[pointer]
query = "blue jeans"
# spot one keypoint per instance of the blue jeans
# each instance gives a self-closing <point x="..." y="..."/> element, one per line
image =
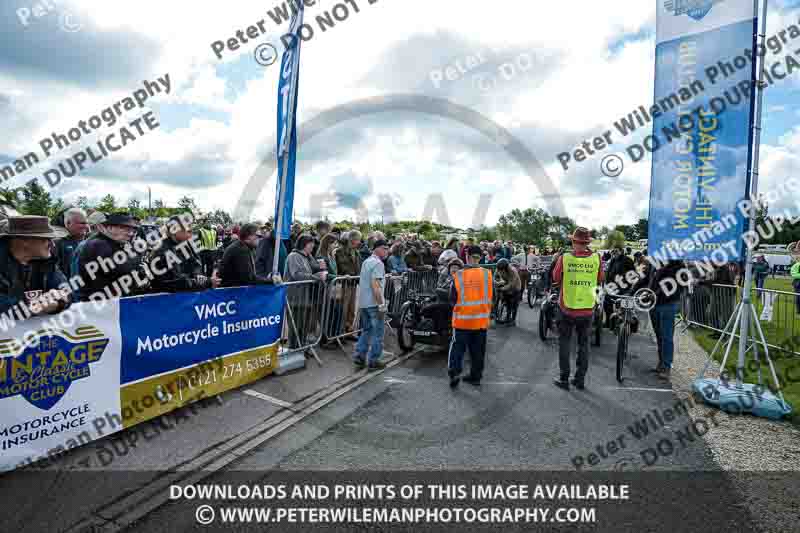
<point x="664" y="325"/>
<point x="371" y="337"/>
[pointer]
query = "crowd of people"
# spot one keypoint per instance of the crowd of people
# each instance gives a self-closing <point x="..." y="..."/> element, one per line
<point x="44" y="269"/>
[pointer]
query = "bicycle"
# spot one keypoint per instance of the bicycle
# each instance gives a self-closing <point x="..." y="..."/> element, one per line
<point x="626" y="322"/>
<point x="548" y="315"/>
<point x="536" y="290"/>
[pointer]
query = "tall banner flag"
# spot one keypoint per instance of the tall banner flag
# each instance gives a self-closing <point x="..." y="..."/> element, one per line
<point x="287" y="119"/>
<point x="702" y="115"/>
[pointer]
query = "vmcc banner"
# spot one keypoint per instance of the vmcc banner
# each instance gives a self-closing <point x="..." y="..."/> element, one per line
<point x="288" y="83"/>
<point x="126" y="361"/>
<point x="699" y="178"/>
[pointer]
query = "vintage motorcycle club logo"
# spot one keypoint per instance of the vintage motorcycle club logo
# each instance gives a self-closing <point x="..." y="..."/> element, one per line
<point x="697" y="9"/>
<point x="42" y="372"/>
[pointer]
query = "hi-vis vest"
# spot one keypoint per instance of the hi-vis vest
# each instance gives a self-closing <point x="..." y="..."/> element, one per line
<point x="208" y="238"/>
<point x="580" y="280"/>
<point x="474" y="288"/>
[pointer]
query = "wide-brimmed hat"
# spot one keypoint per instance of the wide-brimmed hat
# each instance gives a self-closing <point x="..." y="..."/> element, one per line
<point x="27" y="226"/>
<point x="581" y="235"/>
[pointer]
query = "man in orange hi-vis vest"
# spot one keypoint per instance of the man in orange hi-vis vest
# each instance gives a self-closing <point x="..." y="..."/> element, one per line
<point x="471" y="296"/>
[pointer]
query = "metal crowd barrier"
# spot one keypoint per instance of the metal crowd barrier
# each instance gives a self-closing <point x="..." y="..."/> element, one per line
<point x="710" y="307"/>
<point x="303" y="311"/>
<point x="340" y="312"/>
<point x="398" y="288"/>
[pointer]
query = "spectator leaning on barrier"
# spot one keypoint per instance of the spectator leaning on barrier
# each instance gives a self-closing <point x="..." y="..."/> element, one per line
<point x="305" y="298"/>
<point x="238" y="267"/>
<point x="578" y="273"/>
<point x="78" y="228"/>
<point x="29" y="274"/>
<point x="396" y="263"/>
<point x="327" y="252"/>
<point x="179" y="269"/>
<point x="96" y="265"/>
<point x="372" y="309"/>
<point x="348" y="263"/>
<point x="663" y="315"/>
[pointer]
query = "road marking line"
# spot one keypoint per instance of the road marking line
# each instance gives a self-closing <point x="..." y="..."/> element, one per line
<point x="505" y="383"/>
<point x="640" y="389"/>
<point x="267" y="398"/>
<point x="141" y="503"/>
<point x="395" y="380"/>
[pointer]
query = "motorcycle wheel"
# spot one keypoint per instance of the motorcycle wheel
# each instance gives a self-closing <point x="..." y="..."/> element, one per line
<point x="531" y="297"/>
<point x="405" y="338"/>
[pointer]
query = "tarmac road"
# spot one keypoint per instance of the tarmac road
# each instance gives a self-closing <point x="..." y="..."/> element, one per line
<point x="516" y="423"/>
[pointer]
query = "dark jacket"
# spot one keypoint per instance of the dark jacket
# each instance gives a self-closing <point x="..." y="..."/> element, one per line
<point x="102" y="246"/>
<point x="181" y="276"/>
<point x="65" y="247"/>
<point x="15" y="279"/>
<point x="348" y="261"/>
<point x="265" y="254"/>
<point x="670" y="270"/>
<point x="239" y="267"/>
<point x="620" y="266"/>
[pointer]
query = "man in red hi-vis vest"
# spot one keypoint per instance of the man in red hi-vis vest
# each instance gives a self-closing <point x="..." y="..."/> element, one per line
<point x="471" y="296"/>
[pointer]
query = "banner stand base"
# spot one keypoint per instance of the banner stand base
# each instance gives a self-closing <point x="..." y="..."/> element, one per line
<point x="289" y="362"/>
<point x="739" y="397"/>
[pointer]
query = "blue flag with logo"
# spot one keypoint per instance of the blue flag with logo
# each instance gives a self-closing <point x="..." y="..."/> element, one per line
<point x="702" y="136"/>
<point x="288" y="82"/>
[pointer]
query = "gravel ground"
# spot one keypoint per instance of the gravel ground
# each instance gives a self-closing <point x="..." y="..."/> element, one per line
<point x="762" y="456"/>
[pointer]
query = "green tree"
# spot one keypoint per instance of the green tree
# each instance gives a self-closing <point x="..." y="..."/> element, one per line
<point x="615" y="239"/>
<point x="108" y="204"/>
<point x="219" y="216"/>
<point x="82" y="202"/>
<point x="629" y="232"/>
<point x="35" y="200"/>
<point x="135" y="208"/>
<point x="641" y="228"/>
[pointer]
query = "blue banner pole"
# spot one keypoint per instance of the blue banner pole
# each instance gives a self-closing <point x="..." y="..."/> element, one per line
<point x="755" y="135"/>
<point x="285" y="150"/>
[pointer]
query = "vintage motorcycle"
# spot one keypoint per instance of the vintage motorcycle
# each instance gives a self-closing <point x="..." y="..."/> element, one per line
<point x="415" y="325"/>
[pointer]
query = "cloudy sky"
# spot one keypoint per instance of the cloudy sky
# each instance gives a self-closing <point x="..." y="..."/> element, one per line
<point x="385" y="130"/>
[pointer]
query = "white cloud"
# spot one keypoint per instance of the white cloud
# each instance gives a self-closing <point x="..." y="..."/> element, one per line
<point x="577" y="92"/>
